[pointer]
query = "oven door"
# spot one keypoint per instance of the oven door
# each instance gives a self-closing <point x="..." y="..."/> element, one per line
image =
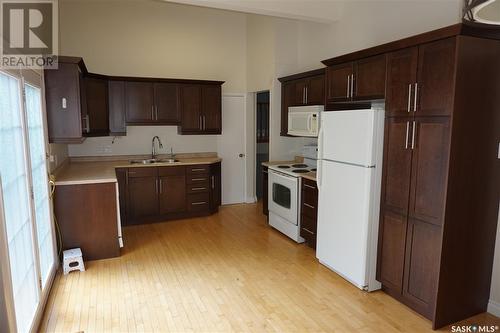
<point x="283" y="196"/>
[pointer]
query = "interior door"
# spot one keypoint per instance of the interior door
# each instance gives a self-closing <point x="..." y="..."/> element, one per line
<point x="231" y="148"/>
<point x="167" y="110"/>
<point x="191" y="108"/>
<point x="139" y="102"/>
<point x="436" y="83"/>
<point x="338" y="82"/>
<point x="401" y="77"/>
<point x="211" y="108"/>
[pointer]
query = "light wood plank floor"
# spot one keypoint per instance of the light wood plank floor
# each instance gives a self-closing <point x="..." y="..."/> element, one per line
<point x="226" y="272"/>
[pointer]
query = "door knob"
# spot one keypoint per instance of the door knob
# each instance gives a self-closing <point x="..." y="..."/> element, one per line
<point x="241" y="155"/>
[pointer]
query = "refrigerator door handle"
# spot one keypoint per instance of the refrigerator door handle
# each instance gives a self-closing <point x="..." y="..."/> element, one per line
<point x="320" y="157"/>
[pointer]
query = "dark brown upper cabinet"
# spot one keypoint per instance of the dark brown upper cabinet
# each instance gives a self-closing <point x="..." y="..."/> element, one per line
<point x="306" y="88"/>
<point x="139" y="106"/>
<point x="67" y="117"/>
<point x="166" y="97"/>
<point x="96" y="99"/>
<point x="361" y="80"/>
<point x="116" y="96"/>
<point x="420" y="80"/>
<point x="201" y="109"/>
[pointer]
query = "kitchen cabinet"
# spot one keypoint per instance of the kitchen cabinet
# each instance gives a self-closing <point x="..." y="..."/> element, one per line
<point x="215" y="187"/>
<point x="172" y="189"/>
<point x="301" y="89"/>
<point x="361" y="80"/>
<point x="117" y="119"/>
<point x="155" y="194"/>
<point x="265" y="189"/>
<point x="139" y="104"/>
<point x="309" y="211"/>
<point x="167" y="110"/>
<point x="201" y="109"/>
<point x="67" y="117"/>
<point x="96" y="99"/>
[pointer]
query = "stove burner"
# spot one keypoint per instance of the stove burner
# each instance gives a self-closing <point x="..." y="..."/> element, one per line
<point x="284" y="166"/>
<point x="313" y="169"/>
<point x="300" y="171"/>
<point x="299" y="166"/>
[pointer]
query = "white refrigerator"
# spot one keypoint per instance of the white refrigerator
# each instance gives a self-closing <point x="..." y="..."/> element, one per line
<point x="349" y="179"/>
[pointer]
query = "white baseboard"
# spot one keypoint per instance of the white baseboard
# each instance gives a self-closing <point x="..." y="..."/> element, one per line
<point x="494" y="308"/>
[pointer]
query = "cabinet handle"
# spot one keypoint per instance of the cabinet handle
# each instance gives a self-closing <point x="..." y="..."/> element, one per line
<point x="308" y="205"/>
<point x="415" y="100"/>
<point x="152" y="112"/>
<point x="87" y="124"/>
<point x="156" y="186"/>
<point x="348" y="84"/>
<point x="213" y="182"/>
<point x="309" y="186"/>
<point x="307" y="97"/>
<point x="352" y="85"/>
<point x="204" y="123"/>
<point x="199" y="169"/>
<point x="198" y="188"/>
<point x="309" y="231"/>
<point x="156" y="112"/>
<point x="198" y="179"/>
<point x="161" y="186"/>
<point x="407" y="134"/>
<point x="409" y="98"/>
<point x="413" y="136"/>
<point x="198" y="203"/>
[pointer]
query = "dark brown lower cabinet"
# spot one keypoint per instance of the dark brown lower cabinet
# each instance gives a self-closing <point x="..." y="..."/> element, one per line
<point x="309" y="211"/>
<point x="87" y="216"/>
<point x="155" y="194"/>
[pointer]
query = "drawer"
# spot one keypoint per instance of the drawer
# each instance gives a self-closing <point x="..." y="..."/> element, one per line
<point x="202" y="169"/>
<point x="198" y="202"/>
<point x="309" y="185"/>
<point x="172" y="171"/>
<point x="309" y="223"/>
<point x="310" y="197"/>
<point x="309" y="210"/>
<point x="197" y="179"/>
<point x="142" y="172"/>
<point x="198" y="187"/>
<point x="309" y="237"/>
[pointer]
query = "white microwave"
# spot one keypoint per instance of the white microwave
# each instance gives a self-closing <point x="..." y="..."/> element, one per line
<point x="304" y="120"/>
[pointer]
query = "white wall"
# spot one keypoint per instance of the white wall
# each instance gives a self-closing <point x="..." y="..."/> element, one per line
<point x="155" y="39"/>
<point x="494" y="305"/>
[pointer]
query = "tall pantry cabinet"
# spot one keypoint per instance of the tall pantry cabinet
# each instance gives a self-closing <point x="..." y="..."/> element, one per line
<point x="440" y="185"/>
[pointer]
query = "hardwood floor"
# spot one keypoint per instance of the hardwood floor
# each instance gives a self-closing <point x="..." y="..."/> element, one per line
<point x="226" y="272"/>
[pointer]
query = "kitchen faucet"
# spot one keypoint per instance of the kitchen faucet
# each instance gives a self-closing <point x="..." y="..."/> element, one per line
<point x="153" y="148"/>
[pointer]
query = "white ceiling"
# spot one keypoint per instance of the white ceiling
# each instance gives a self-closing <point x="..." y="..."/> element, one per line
<point x="324" y="11"/>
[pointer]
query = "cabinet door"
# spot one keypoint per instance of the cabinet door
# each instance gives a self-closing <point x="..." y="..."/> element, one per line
<point x="116" y="95"/>
<point x="172" y="194"/>
<point x="436" y="78"/>
<point x="431" y="143"/>
<point x="287" y="100"/>
<point x="215" y="186"/>
<point x="190" y="108"/>
<point x="369" y="82"/>
<point x="139" y="102"/>
<point x="96" y="94"/>
<point x="391" y="250"/>
<point x="397" y="165"/>
<point x="211" y="109"/>
<point x="167" y="110"/>
<point x="401" y="77"/>
<point x="62" y="95"/>
<point x="338" y="82"/>
<point x="316" y="90"/>
<point x="423" y="249"/>
<point x="142" y="198"/>
<point x="300" y="92"/>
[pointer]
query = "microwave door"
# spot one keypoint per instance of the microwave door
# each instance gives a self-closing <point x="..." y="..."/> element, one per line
<point x="301" y="124"/>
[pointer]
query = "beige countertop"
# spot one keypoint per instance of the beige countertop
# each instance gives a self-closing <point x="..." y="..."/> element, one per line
<point x="102" y="170"/>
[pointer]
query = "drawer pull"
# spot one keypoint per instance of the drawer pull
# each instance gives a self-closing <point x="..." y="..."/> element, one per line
<point x="198" y="203"/>
<point x="307" y="230"/>
<point x="198" y="188"/>
<point x="198" y="169"/>
<point x="308" y="205"/>
<point x="309" y="186"/>
<point x="198" y="179"/>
